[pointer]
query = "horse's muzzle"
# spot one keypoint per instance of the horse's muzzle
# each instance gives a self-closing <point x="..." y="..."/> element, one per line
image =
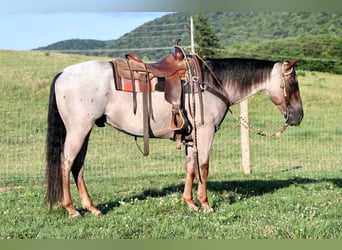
<point x="294" y="116"/>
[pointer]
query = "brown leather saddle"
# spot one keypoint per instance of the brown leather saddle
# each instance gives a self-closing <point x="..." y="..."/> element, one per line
<point x="171" y="67"/>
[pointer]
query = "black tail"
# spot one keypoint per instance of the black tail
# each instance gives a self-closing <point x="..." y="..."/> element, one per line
<point x="55" y="139"/>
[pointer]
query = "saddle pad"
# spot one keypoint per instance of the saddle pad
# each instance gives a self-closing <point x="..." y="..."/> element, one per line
<point x="157" y="84"/>
<point x="126" y="84"/>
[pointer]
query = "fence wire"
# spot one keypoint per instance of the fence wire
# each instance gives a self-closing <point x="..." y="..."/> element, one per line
<point x="315" y="145"/>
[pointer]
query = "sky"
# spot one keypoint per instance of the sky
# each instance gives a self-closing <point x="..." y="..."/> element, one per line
<point x="29" y="24"/>
<point x="28" y="30"/>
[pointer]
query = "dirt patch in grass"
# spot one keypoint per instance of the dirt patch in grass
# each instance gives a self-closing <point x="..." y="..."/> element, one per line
<point x="2" y="189"/>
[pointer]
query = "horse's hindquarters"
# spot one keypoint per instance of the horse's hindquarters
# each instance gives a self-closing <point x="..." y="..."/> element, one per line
<point x="82" y="93"/>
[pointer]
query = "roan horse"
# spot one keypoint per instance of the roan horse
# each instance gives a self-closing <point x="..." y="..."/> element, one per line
<point x="84" y="94"/>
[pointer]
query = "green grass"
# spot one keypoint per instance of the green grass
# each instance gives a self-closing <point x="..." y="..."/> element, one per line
<point x="294" y="190"/>
<point x="291" y="206"/>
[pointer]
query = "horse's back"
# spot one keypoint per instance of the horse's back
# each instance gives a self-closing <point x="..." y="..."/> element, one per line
<point x="90" y="69"/>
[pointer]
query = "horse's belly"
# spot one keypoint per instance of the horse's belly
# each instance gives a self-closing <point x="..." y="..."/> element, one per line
<point x="120" y="115"/>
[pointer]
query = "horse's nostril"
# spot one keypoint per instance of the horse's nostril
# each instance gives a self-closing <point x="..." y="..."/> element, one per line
<point x="287" y="114"/>
<point x="300" y="118"/>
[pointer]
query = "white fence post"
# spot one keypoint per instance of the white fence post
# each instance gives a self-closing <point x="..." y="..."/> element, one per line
<point x="192" y="35"/>
<point x="245" y="151"/>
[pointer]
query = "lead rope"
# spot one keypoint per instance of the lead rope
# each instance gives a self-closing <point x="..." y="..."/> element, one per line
<point x="258" y="131"/>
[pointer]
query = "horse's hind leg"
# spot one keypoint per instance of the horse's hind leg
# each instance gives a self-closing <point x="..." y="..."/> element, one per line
<point x="77" y="171"/>
<point x="69" y="154"/>
<point x="73" y="153"/>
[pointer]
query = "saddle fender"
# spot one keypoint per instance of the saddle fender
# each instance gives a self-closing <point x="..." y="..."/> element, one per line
<point x="173" y="89"/>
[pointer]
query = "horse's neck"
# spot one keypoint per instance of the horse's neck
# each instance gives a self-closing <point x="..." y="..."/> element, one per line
<point x="235" y="95"/>
<point x="269" y="85"/>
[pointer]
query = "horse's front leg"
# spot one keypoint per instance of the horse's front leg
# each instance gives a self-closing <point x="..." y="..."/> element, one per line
<point x="194" y="170"/>
<point x="205" y="137"/>
<point x="190" y="175"/>
<point x="202" y="185"/>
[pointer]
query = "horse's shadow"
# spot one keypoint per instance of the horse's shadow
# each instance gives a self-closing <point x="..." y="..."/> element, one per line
<point x="244" y="188"/>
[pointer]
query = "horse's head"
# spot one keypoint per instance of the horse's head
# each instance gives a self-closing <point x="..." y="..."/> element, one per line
<point x="284" y="92"/>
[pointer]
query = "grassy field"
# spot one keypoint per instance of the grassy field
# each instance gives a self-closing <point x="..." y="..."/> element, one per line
<point x="253" y="207"/>
<point x="293" y="192"/>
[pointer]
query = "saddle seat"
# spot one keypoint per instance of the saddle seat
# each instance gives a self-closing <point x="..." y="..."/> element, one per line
<point x="165" y="67"/>
<point x="169" y="65"/>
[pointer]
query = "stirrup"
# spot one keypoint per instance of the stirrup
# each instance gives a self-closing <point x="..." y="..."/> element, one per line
<point x="178" y="120"/>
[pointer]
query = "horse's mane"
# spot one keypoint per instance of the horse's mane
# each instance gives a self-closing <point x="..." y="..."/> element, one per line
<point x="242" y="73"/>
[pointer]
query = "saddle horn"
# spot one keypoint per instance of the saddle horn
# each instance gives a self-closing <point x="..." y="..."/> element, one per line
<point x="177" y="52"/>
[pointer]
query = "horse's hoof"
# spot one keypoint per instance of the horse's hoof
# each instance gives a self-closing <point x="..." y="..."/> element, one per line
<point x="96" y="212"/>
<point x="93" y="210"/>
<point x="207" y="208"/>
<point x="75" y="215"/>
<point x="191" y="206"/>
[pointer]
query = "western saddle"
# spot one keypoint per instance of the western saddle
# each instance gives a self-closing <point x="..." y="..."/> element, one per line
<point x="173" y="69"/>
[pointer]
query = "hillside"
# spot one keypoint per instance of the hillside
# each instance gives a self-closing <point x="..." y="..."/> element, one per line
<point x="275" y="36"/>
<point x="76" y="44"/>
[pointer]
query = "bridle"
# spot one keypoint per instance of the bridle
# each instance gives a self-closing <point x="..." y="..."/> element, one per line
<point x="223" y="97"/>
<point x="283" y="85"/>
<point x="283" y="80"/>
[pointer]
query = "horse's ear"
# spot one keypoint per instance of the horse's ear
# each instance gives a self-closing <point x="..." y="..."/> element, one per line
<point x="289" y="65"/>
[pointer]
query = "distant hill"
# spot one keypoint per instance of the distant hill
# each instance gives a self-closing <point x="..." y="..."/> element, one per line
<point x="247" y="34"/>
<point x="76" y="44"/>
